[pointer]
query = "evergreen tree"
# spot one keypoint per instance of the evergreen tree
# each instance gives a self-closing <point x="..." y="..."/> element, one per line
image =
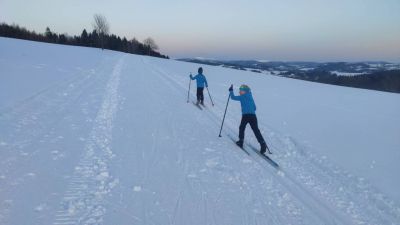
<point x="84" y="39"/>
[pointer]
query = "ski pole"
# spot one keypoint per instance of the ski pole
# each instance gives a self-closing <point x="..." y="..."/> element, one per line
<point x="190" y="81"/>
<point x="223" y="119"/>
<point x="210" y="96"/>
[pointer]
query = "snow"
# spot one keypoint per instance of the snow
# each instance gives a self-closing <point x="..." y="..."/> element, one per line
<point x="102" y="137"/>
<point x="346" y="73"/>
<point x="306" y="69"/>
<point x="137" y="188"/>
<point x="263" y="60"/>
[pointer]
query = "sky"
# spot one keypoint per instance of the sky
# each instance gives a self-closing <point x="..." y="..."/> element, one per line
<point x="301" y="30"/>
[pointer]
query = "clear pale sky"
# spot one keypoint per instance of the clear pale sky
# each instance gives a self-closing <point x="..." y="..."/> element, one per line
<point x="312" y="30"/>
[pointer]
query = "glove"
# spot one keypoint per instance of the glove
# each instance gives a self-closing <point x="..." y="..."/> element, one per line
<point x="231" y="88"/>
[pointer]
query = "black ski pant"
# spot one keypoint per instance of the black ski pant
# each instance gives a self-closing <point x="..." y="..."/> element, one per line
<point x="252" y="120"/>
<point x="199" y="94"/>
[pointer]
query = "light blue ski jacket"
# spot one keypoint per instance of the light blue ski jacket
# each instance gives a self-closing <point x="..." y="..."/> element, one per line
<point x="201" y="80"/>
<point x="246" y="101"/>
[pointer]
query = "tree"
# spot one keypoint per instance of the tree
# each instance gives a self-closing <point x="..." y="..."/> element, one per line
<point x="48" y="32"/>
<point x="150" y="44"/>
<point x="51" y="37"/>
<point x="102" y="28"/>
<point x="93" y="38"/>
<point x="62" y="39"/>
<point x="84" y="38"/>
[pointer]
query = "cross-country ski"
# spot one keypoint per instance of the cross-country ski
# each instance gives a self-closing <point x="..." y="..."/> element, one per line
<point x="197" y="105"/>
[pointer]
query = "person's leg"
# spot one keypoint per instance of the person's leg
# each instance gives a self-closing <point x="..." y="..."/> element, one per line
<point x="198" y="94"/>
<point x="202" y="95"/>
<point x="254" y="126"/>
<point x="242" y="127"/>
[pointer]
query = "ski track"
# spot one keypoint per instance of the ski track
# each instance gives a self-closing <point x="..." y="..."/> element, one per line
<point x="33" y="122"/>
<point x="83" y="202"/>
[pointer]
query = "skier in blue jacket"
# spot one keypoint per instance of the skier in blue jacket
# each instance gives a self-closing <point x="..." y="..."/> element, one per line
<point x="248" y="115"/>
<point x="201" y="82"/>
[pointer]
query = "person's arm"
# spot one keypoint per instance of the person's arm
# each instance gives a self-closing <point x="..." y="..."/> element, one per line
<point x="193" y="77"/>
<point x="205" y="81"/>
<point x="234" y="97"/>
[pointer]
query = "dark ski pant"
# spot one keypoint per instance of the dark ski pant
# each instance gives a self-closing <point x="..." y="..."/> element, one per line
<point x="199" y="94"/>
<point x="252" y="120"/>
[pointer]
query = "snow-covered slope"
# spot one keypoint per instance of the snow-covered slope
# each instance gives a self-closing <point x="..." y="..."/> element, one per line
<point x="101" y="137"/>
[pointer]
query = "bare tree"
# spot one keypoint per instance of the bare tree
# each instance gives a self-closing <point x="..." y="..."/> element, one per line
<point x="101" y="26"/>
<point x="150" y="44"/>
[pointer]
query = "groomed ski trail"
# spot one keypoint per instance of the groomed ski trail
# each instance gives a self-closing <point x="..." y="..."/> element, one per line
<point x="83" y="202"/>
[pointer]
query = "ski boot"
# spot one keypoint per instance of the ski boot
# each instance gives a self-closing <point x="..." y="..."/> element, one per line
<point x="202" y="102"/>
<point x="239" y="143"/>
<point x="263" y="148"/>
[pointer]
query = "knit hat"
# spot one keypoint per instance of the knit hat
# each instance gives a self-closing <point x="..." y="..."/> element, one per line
<point x="244" y="87"/>
<point x="200" y="70"/>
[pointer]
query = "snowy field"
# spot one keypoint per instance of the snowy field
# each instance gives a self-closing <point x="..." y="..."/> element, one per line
<point x="102" y="137"/>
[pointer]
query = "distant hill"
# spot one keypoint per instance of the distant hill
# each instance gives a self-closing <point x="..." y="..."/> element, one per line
<point x="379" y="75"/>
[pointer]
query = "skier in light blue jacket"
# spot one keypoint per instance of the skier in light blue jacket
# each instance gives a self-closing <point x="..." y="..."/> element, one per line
<point x="248" y="115"/>
<point x="201" y="82"/>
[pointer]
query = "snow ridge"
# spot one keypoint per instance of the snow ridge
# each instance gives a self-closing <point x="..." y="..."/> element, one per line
<point x="83" y="201"/>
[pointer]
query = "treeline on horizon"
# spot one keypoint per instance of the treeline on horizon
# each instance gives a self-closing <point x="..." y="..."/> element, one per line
<point x="385" y="80"/>
<point x="86" y="39"/>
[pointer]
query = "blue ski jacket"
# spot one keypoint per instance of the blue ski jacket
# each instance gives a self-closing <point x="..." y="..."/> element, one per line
<point x="201" y="80"/>
<point x="246" y="101"/>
